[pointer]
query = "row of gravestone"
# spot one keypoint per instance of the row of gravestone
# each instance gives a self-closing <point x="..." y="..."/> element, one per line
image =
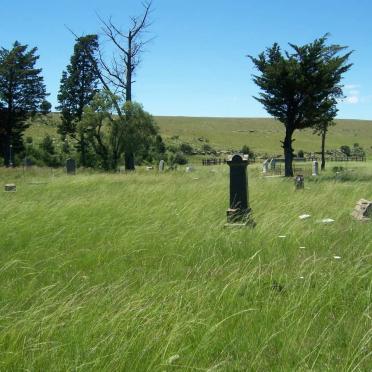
<point x="270" y="164"/>
<point x="71" y="166"/>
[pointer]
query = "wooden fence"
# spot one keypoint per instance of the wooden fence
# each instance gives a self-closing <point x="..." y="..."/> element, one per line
<point x="219" y="161"/>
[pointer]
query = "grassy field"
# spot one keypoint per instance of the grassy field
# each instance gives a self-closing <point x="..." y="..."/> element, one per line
<point x="135" y="272"/>
<point x="262" y="135"/>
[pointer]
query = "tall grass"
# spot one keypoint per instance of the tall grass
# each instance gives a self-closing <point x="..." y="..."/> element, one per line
<point x="136" y="272"/>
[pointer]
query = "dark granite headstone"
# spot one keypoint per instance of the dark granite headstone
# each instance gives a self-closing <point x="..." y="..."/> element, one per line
<point x="299" y="182"/>
<point x="239" y="206"/>
<point x="70" y="166"/>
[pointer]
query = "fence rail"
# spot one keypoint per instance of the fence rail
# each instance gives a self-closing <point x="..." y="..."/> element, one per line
<point x="338" y="158"/>
<point x="219" y="161"/>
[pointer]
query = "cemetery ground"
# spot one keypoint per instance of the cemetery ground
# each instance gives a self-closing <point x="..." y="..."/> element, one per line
<point x="136" y="272"/>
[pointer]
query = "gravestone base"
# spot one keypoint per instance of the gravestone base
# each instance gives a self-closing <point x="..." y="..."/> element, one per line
<point x="239" y="218"/>
<point x="10" y="187"/>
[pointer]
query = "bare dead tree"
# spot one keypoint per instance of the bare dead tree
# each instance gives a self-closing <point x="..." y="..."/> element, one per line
<point x="118" y="74"/>
<point x="129" y="47"/>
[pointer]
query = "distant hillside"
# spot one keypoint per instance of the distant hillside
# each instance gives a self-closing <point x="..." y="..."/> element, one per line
<point x="262" y="135"/>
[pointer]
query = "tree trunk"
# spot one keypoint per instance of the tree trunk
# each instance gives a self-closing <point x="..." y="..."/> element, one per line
<point x="324" y="133"/>
<point x="129" y="67"/>
<point x="288" y="152"/>
<point x="83" y="150"/>
<point x="129" y="156"/>
<point x="7" y="152"/>
<point x="129" y="161"/>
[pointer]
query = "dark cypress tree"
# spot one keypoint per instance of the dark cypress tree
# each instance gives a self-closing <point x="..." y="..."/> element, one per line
<point x="300" y="88"/>
<point x="78" y="86"/>
<point x="22" y="91"/>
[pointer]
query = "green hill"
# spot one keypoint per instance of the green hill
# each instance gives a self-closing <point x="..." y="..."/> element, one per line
<point x="262" y="135"/>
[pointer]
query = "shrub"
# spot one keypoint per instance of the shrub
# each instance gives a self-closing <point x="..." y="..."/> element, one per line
<point x="186" y="148"/>
<point x="208" y="148"/>
<point x="358" y="150"/>
<point x="345" y="149"/>
<point x="300" y="154"/>
<point x="247" y="151"/>
<point x="179" y="158"/>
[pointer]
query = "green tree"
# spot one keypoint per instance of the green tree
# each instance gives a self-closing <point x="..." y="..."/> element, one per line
<point x="22" y="91"/>
<point x="110" y="136"/>
<point x="45" y="107"/>
<point x="345" y="149"/>
<point x="321" y="128"/>
<point x="300" y="88"/>
<point x="78" y="86"/>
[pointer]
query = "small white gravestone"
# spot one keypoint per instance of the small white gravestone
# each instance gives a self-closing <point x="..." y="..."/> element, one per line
<point x="149" y="168"/>
<point x="189" y="169"/>
<point x="272" y="164"/>
<point x="315" y="168"/>
<point x="265" y="166"/>
<point x="161" y="165"/>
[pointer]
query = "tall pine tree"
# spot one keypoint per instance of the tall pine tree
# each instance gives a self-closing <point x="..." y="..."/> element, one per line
<point x="22" y="91"/>
<point x="78" y="86"/>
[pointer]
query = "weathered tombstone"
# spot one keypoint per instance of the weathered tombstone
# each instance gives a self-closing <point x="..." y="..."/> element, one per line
<point x="161" y="165"/>
<point x="265" y="166"/>
<point x="10" y="187"/>
<point x="272" y="164"/>
<point x="315" y="168"/>
<point x="189" y="169"/>
<point x="70" y="166"/>
<point x="239" y="210"/>
<point x="149" y="168"/>
<point x="363" y="210"/>
<point x="299" y="182"/>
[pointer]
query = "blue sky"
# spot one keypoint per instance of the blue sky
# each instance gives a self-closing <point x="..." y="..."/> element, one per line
<point x="196" y="65"/>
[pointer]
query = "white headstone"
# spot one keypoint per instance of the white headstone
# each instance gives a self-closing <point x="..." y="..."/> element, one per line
<point x="189" y="169"/>
<point x="315" y="168"/>
<point x="161" y="165"/>
<point x="265" y="166"/>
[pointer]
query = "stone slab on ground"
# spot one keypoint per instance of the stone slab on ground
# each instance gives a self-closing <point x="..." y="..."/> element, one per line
<point x="363" y="210"/>
<point x="10" y="187"/>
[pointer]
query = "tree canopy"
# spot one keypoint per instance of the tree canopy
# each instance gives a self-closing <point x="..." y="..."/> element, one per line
<point x="300" y="88"/>
<point x="79" y="84"/>
<point x="22" y="91"/>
